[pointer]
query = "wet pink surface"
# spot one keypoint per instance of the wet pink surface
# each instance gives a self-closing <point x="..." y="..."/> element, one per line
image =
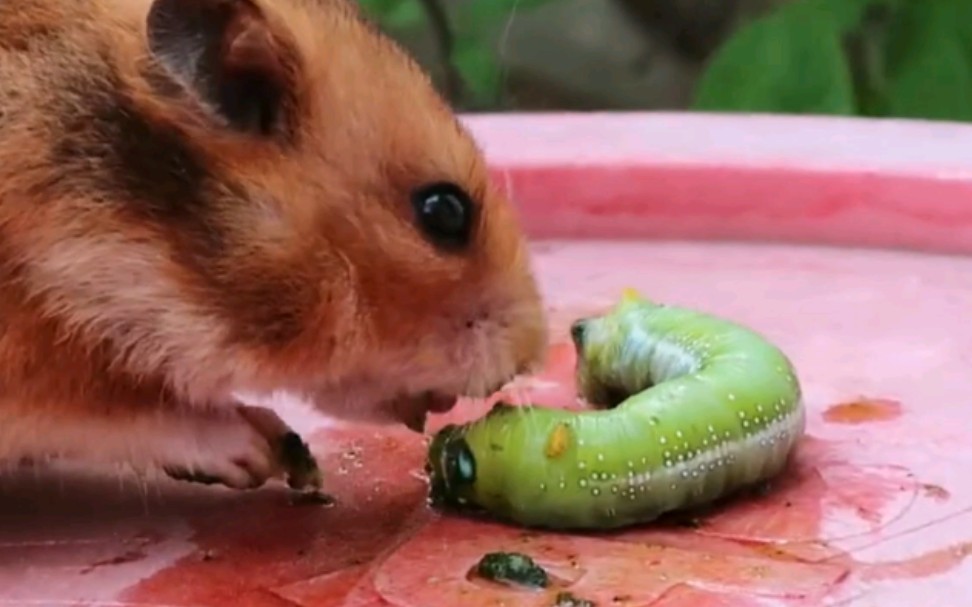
<point x="876" y="509"/>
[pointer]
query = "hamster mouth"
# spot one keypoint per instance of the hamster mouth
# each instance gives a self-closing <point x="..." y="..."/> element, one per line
<point x="414" y="409"/>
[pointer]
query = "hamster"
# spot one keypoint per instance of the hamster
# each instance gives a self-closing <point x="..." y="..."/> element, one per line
<point x="203" y="198"/>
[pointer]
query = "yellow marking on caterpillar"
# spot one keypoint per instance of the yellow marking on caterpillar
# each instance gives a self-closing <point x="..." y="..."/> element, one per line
<point x="558" y="442"/>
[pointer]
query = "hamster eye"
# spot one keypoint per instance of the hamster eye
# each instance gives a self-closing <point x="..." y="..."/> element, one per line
<point x="444" y="212"/>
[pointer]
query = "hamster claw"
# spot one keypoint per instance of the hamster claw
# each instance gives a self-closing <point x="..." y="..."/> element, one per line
<point x="298" y="462"/>
<point x="241" y="451"/>
<point x="291" y="453"/>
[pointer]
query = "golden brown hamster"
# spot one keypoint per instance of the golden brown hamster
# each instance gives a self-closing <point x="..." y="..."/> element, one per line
<point x="200" y="198"/>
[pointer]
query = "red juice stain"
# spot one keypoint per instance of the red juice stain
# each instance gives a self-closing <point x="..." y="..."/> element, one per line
<point x="862" y="411"/>
<point x="268" y="554"/>
<point x="129" y="556"/>
<point x="930" y="563"/>
<point x="684" y="595"/>
<point x="251" y="546"/>
<point x="345" y="588"/>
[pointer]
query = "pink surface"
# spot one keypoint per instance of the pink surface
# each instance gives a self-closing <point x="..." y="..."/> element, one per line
<point x="818" y="180"/>
<point x="875" y="511"/>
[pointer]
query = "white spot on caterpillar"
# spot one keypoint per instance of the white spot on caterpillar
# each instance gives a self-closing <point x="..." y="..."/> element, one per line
<point x="668" y="463"/>
<point x="678" y="434"/>
<point x="600" y="457"/>
<point x="595" y="492"/>
<point x="630" y="464"/>
<point x="563" y="485"/>
<point x="731" y="396"/>
<point x="582" y="482"/>
<point x="581" y="465"/>
<point x="543" y="486"/>
<point x="614" y="489"/>
<point x="662" y="440"/>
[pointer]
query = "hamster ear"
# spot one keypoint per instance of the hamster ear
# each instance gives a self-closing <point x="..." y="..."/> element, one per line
<point x="226" y="54"/>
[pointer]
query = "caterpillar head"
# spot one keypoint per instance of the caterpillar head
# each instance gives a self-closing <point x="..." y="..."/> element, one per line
<point x="465" y="464"/>
<point x="451" y="467"/>
<point x="608" y="348"/>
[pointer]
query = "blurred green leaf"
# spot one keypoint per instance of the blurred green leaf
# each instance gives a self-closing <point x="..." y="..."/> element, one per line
<point x="480" y="11"/>
<point x="478" y="61"/>
<point x="790" y="61"/>
<point x="480" y="71"/>
<point x="929" y="61"/>
<point x="394" y="14"/>
<point x="847" y="14"/>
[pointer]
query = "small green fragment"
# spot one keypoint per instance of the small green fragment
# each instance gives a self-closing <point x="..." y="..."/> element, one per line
<point x="566" y="599"/>
<point x="512" y="568"/>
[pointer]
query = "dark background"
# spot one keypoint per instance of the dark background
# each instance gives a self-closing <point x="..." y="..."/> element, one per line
<point x="905" y="58"/>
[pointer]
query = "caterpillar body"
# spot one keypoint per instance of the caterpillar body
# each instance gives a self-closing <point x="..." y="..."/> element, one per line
<point x="689" y="408"/>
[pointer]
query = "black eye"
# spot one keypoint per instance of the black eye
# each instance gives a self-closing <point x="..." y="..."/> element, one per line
<point x="460" y="464"/>
<point x="444" y="212"/>
<point x="577" y="329"/>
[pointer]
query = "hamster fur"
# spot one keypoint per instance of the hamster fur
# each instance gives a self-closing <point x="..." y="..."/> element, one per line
<point x="200" y="198"/>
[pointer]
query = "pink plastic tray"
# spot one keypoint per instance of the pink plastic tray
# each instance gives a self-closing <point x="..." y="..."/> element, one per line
<point x="775" y="222"/>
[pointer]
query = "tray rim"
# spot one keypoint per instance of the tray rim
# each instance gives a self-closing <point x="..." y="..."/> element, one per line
<point x="838" y="181"/>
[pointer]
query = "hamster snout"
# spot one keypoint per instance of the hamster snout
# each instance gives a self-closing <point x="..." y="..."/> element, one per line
<point x="438" y="362"/>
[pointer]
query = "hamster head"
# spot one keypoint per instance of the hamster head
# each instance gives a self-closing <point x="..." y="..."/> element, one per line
<point x="326" y="225"/>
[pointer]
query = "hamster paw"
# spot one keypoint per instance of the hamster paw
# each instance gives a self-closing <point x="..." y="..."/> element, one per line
<point x="243" y="451"/>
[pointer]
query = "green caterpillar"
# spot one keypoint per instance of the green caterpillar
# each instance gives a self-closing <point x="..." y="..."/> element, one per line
<point x="691" y="409"/>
